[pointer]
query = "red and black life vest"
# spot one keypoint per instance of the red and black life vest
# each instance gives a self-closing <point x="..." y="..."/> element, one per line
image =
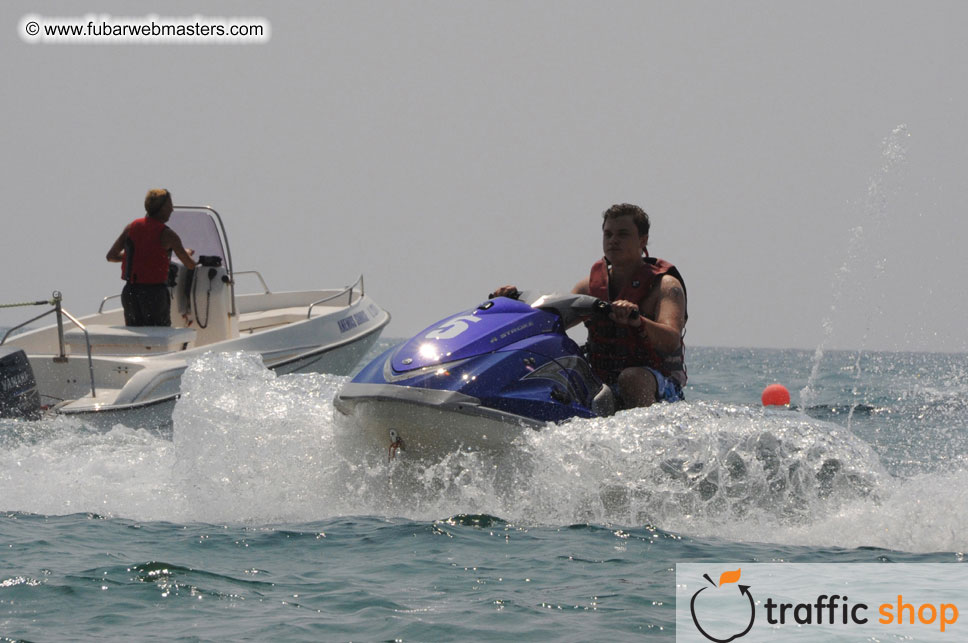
<point x="146" y="261"/>
<point x="613" y="347"/>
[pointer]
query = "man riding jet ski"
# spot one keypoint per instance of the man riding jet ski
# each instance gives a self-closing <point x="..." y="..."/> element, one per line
<point x="638" y="350"/>
<point x="475" y="379"/>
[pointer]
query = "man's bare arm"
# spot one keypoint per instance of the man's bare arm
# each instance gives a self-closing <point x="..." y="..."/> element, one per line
<point x="665" y="332"/>
<point x="116" y="253"/>
<point x="169" y="239"/>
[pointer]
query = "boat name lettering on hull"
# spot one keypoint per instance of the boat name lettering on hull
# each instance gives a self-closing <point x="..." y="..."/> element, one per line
<point x="351" y="322"/>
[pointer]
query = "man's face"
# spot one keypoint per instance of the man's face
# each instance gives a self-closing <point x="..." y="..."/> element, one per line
<point x="621" y="241"/>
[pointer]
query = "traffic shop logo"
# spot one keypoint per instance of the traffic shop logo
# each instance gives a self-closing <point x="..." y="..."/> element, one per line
<point x="713" y="598"/>
<point x="725" y="611"/>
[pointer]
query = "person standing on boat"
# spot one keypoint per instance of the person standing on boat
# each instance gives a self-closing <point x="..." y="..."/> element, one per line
<point x="641" y="355"/>
<point x="144" y="250"/>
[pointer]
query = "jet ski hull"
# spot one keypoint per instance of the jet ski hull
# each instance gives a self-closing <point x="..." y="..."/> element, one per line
<point x="421" y="423"/>
<point x="478" y="380"/>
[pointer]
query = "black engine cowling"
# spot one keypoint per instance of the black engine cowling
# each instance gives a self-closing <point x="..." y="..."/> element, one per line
<point x="18" y="388"/>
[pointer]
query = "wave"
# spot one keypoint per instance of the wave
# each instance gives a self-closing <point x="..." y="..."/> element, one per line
<point x="250" y="447"/>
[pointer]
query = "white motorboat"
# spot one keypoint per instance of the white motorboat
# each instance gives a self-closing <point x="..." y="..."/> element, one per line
<point x="109" y="373"/>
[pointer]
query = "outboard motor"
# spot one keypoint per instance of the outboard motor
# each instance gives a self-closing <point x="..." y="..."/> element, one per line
<point x="18" y="388"/>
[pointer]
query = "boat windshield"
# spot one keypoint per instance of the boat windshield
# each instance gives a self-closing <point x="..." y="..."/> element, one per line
<point x="199" y="231"/>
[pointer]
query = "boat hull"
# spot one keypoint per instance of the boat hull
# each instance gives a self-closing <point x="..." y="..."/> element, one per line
<point x="140" y="392"/>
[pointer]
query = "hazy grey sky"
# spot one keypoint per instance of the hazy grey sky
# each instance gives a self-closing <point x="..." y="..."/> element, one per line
<point x="444" y="148"/>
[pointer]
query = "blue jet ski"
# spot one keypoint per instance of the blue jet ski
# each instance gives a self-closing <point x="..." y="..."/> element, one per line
<point x="478" y="379"/>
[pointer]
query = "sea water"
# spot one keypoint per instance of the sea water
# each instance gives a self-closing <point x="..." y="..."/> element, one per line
<point x="261" y="516"/>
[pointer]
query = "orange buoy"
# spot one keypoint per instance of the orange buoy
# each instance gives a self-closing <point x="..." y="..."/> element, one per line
<point x="776" y="395"/>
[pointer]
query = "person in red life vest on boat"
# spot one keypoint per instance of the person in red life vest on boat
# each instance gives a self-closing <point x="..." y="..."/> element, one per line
<point x="144" y="250"/>
<point x="640" y="355"/>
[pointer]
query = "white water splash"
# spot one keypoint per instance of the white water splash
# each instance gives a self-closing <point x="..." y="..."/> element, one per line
<point x="253" y="448"/>
<point x="861" y="270"/>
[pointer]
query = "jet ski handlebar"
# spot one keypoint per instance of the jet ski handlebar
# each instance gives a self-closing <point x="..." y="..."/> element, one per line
<point x="571" y="308"/>
<point x="603" y="307"/>
<point x="574" y="308"/>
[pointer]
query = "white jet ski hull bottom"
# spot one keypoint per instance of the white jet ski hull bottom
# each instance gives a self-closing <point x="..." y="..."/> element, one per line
<point x="422" y="423"/>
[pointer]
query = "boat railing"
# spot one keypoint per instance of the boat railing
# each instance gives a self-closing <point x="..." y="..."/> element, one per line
<point x="348" y="289"/>
<point x="60" y="312"/>
<point x="100" y="309"/>
<point x="265" y="288"/>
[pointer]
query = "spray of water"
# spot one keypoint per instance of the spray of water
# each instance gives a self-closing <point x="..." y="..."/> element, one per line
<point x="862" y="270"/>
<point x="253" y="448"/>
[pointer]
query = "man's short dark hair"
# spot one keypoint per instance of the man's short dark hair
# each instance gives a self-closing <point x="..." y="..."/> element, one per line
<point x="638" y="215"/>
